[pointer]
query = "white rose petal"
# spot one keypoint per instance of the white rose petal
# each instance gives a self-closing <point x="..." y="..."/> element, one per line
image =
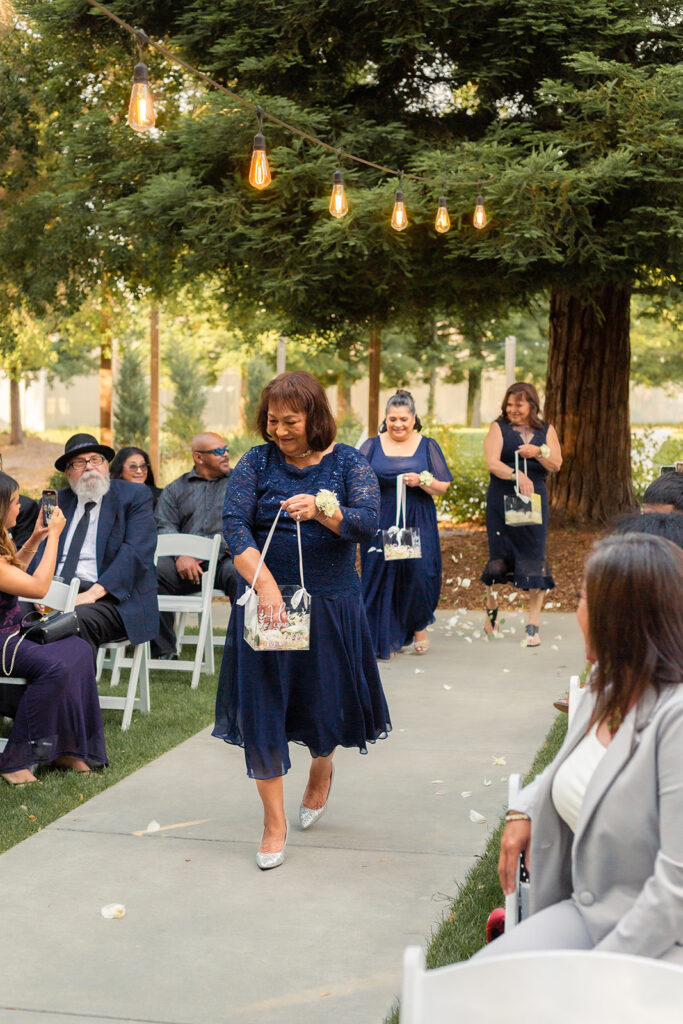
<point x="466" y="582"/>
<point x="465" y="793"/>
<point x="113" y="910"/>
<point x="419" y="671"/>
<point x="498" y="760"/>
<point x="486" y="782"/>
<point x="153" y="826"/>
<point x="447" y="687"/>
<point x="477" y="818"/>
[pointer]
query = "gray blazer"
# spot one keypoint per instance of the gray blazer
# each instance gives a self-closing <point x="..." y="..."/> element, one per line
<point x="623" y="868"/>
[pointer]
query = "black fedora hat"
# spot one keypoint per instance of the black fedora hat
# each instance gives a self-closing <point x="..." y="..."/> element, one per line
<point x="82" y="443"/>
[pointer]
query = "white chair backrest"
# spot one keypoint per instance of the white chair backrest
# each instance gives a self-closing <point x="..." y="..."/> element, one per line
<point x="175" y="544"/>
<point x="561" y="987"/>
<point x="60" y="596"/>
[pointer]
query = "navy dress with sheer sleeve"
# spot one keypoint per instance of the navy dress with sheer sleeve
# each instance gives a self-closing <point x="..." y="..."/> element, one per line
<point x="401" y="596"/>
<point x="517" y="553"/>
<point x="58" y="712"/>
<point x="330" y="695"/>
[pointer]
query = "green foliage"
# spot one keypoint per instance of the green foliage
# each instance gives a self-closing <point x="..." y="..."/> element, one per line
<point x="131" y="415"/>
<point x="465" y="499"/>
<point x="258" y="372"/>
<point x="671" y="451"/>
<point x="349" y="429"/>
<point x="185" y="414"/>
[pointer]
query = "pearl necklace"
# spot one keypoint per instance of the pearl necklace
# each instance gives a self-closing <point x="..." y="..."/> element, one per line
<point x="304" y="455"/>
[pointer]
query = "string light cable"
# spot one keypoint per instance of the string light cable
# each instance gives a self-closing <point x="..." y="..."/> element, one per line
<point x="141" y="79"/>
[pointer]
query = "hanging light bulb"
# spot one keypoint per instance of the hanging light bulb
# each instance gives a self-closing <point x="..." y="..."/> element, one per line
<point x="443" y="221"/>
<point x="141" y="116"/>
<point x="399" y="218"/>
<point x="479" y="219"/>
<point x="338" y="204"/>
<point x="259" y="172"/>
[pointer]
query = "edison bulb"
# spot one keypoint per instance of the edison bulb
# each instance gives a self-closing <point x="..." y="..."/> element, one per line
<point x="338" y="204"/>
<point x="399" y="218"/>
<point x="259" y="172"/>
<point x="443" y="221"/>
<point x="141" y="116"/>
<point x="479" y="220"/>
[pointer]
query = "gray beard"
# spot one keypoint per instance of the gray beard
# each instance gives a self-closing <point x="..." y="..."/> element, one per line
<point x="91" y="486"/>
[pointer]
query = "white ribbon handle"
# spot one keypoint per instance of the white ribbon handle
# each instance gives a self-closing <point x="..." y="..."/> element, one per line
<point x="299" y="595"/>
<point x="400" y="504"/>
<point x="524" y="497"/>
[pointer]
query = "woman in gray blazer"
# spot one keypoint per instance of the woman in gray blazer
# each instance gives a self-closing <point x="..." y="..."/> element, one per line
<point x="602" y="827"/>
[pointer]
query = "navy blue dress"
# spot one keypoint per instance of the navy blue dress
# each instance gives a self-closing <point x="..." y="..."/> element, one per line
<point x="330" y="695"/>
<point x="58" y="713"/>
<point x="517" y="553"/>
<point x="400" y="596"/>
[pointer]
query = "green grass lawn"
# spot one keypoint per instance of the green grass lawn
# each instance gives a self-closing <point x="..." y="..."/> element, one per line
<point x="177" y="712"/>
<point x="463" y="929"/>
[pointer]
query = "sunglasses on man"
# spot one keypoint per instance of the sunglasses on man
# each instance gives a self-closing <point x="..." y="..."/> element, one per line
<point x="213" y="451"/>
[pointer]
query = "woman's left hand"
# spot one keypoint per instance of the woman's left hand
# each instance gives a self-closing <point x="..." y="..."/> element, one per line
<point x="301" y="507"/>
<point x="411" y="479"/>
<point x="529" y="451"/>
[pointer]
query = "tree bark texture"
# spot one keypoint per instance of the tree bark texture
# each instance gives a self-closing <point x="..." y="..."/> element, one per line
<point x="473" y="416"/>
<point x="343" y="398"/>
<point x="587" y="401"/>
<point x="16" y="430"/>
<point x="375" y="370"/>
<point x="154" y="448"/>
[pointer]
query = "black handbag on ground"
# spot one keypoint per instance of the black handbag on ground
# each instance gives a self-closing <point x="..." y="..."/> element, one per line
<point x="45" y="629"/>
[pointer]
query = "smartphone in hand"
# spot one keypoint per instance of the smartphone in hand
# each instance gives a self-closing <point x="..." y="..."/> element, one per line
<point x="49" y="501"/>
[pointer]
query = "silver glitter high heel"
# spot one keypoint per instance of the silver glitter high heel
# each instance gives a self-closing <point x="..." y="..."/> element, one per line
<point x="266" y="861"/>
<point x="307" y="815"/>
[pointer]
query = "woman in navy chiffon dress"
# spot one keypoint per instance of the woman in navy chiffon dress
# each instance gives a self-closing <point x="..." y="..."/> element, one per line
<point x="401" y="594"/>
<point x="517" y="553"/>
<point x="329" y="695"/>
<point x="56" y="717"/>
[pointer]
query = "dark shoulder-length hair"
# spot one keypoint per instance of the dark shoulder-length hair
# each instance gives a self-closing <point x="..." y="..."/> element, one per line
<point x="122" y="455"/>
<point x="8" y="488"/>
<point x="634" y="596"/>
<point x="301" y="392"/>
<point x="531" y="395"/>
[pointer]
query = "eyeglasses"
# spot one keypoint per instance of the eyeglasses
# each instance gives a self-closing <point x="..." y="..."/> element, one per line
<point x="137" y="467"/>
<point x="95" y="460"/>
<point x="213" y="451"/>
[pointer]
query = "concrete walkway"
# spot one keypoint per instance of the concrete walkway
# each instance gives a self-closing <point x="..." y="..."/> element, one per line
<point x="207" y="938"/>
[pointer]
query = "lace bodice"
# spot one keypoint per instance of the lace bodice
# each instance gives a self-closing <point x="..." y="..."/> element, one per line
<point x="262" y="479"/>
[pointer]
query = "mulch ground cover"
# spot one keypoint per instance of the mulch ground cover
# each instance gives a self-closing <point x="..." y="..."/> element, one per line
<point x="465" y="553"/>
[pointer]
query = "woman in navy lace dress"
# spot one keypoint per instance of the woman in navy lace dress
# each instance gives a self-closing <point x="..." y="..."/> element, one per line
<point x="57" y="715"/>
<point x="517" y="553"/>
<point x="400" y="596"/>
<point x="329" y="695"/>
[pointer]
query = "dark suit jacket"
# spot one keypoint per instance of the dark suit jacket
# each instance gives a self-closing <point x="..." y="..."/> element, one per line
<point x="125" y="545"/>
<point x="26" y="520"/>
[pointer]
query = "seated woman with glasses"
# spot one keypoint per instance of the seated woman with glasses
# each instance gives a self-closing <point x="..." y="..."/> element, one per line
<point x="132" y="464"/>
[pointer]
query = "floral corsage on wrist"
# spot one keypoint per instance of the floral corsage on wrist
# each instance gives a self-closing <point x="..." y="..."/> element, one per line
<point x="327" y="504"/>
<point x="426" y="478"/>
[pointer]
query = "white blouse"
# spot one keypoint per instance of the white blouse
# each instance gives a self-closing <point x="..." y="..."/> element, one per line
<point x="572" y="778"/>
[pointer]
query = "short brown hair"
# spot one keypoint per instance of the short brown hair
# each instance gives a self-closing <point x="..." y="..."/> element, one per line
<point x="531" y="395"/>
<point x="634" y="593"/>
<point x="301" y="392"/>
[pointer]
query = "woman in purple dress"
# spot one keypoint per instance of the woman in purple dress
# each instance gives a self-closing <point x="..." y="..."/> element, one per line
<point x="401" y="596"/>
<point x="57" y="717"/>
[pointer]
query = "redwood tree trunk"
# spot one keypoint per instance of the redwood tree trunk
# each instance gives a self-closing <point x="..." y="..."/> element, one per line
<point x="16" y="430"/>
<point x="374" y="375"/>
<point x="587" y="401"/>
<point x="343" y="398"/>
<point x="473" y="417"/>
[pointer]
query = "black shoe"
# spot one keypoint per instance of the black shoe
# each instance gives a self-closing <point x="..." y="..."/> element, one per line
<point x="166" y="657"/>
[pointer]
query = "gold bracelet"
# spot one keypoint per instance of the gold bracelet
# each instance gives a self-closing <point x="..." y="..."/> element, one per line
<point x="517" y="816"/>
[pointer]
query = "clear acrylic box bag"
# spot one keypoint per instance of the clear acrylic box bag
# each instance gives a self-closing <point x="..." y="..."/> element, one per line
<point x="401" y="541"/>
<point x="283" y="628"/>
<point x="521" y="510"/>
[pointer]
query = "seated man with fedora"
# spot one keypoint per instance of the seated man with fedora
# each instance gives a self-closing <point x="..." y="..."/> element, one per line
<point x="108" y="543"/>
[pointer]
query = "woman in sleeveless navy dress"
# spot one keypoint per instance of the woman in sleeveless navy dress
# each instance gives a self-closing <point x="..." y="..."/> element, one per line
<point x="56" y="717"/>
<point x="331" y="694"/>
<point x="517" y="553"/>
<point x="401" y="595"/>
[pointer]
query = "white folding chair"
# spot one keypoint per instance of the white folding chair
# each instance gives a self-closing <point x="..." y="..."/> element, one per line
<point x="112" y="656"/>
<point x="206" y="550"/>
<point x="517" y="902"/>
<point x="61" y="597"/>
<point x="526" y="988"/>
<point x="218" y="639"/>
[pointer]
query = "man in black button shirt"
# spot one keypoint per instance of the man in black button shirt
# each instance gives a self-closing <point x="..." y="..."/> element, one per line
<point x="193" y="504"/>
